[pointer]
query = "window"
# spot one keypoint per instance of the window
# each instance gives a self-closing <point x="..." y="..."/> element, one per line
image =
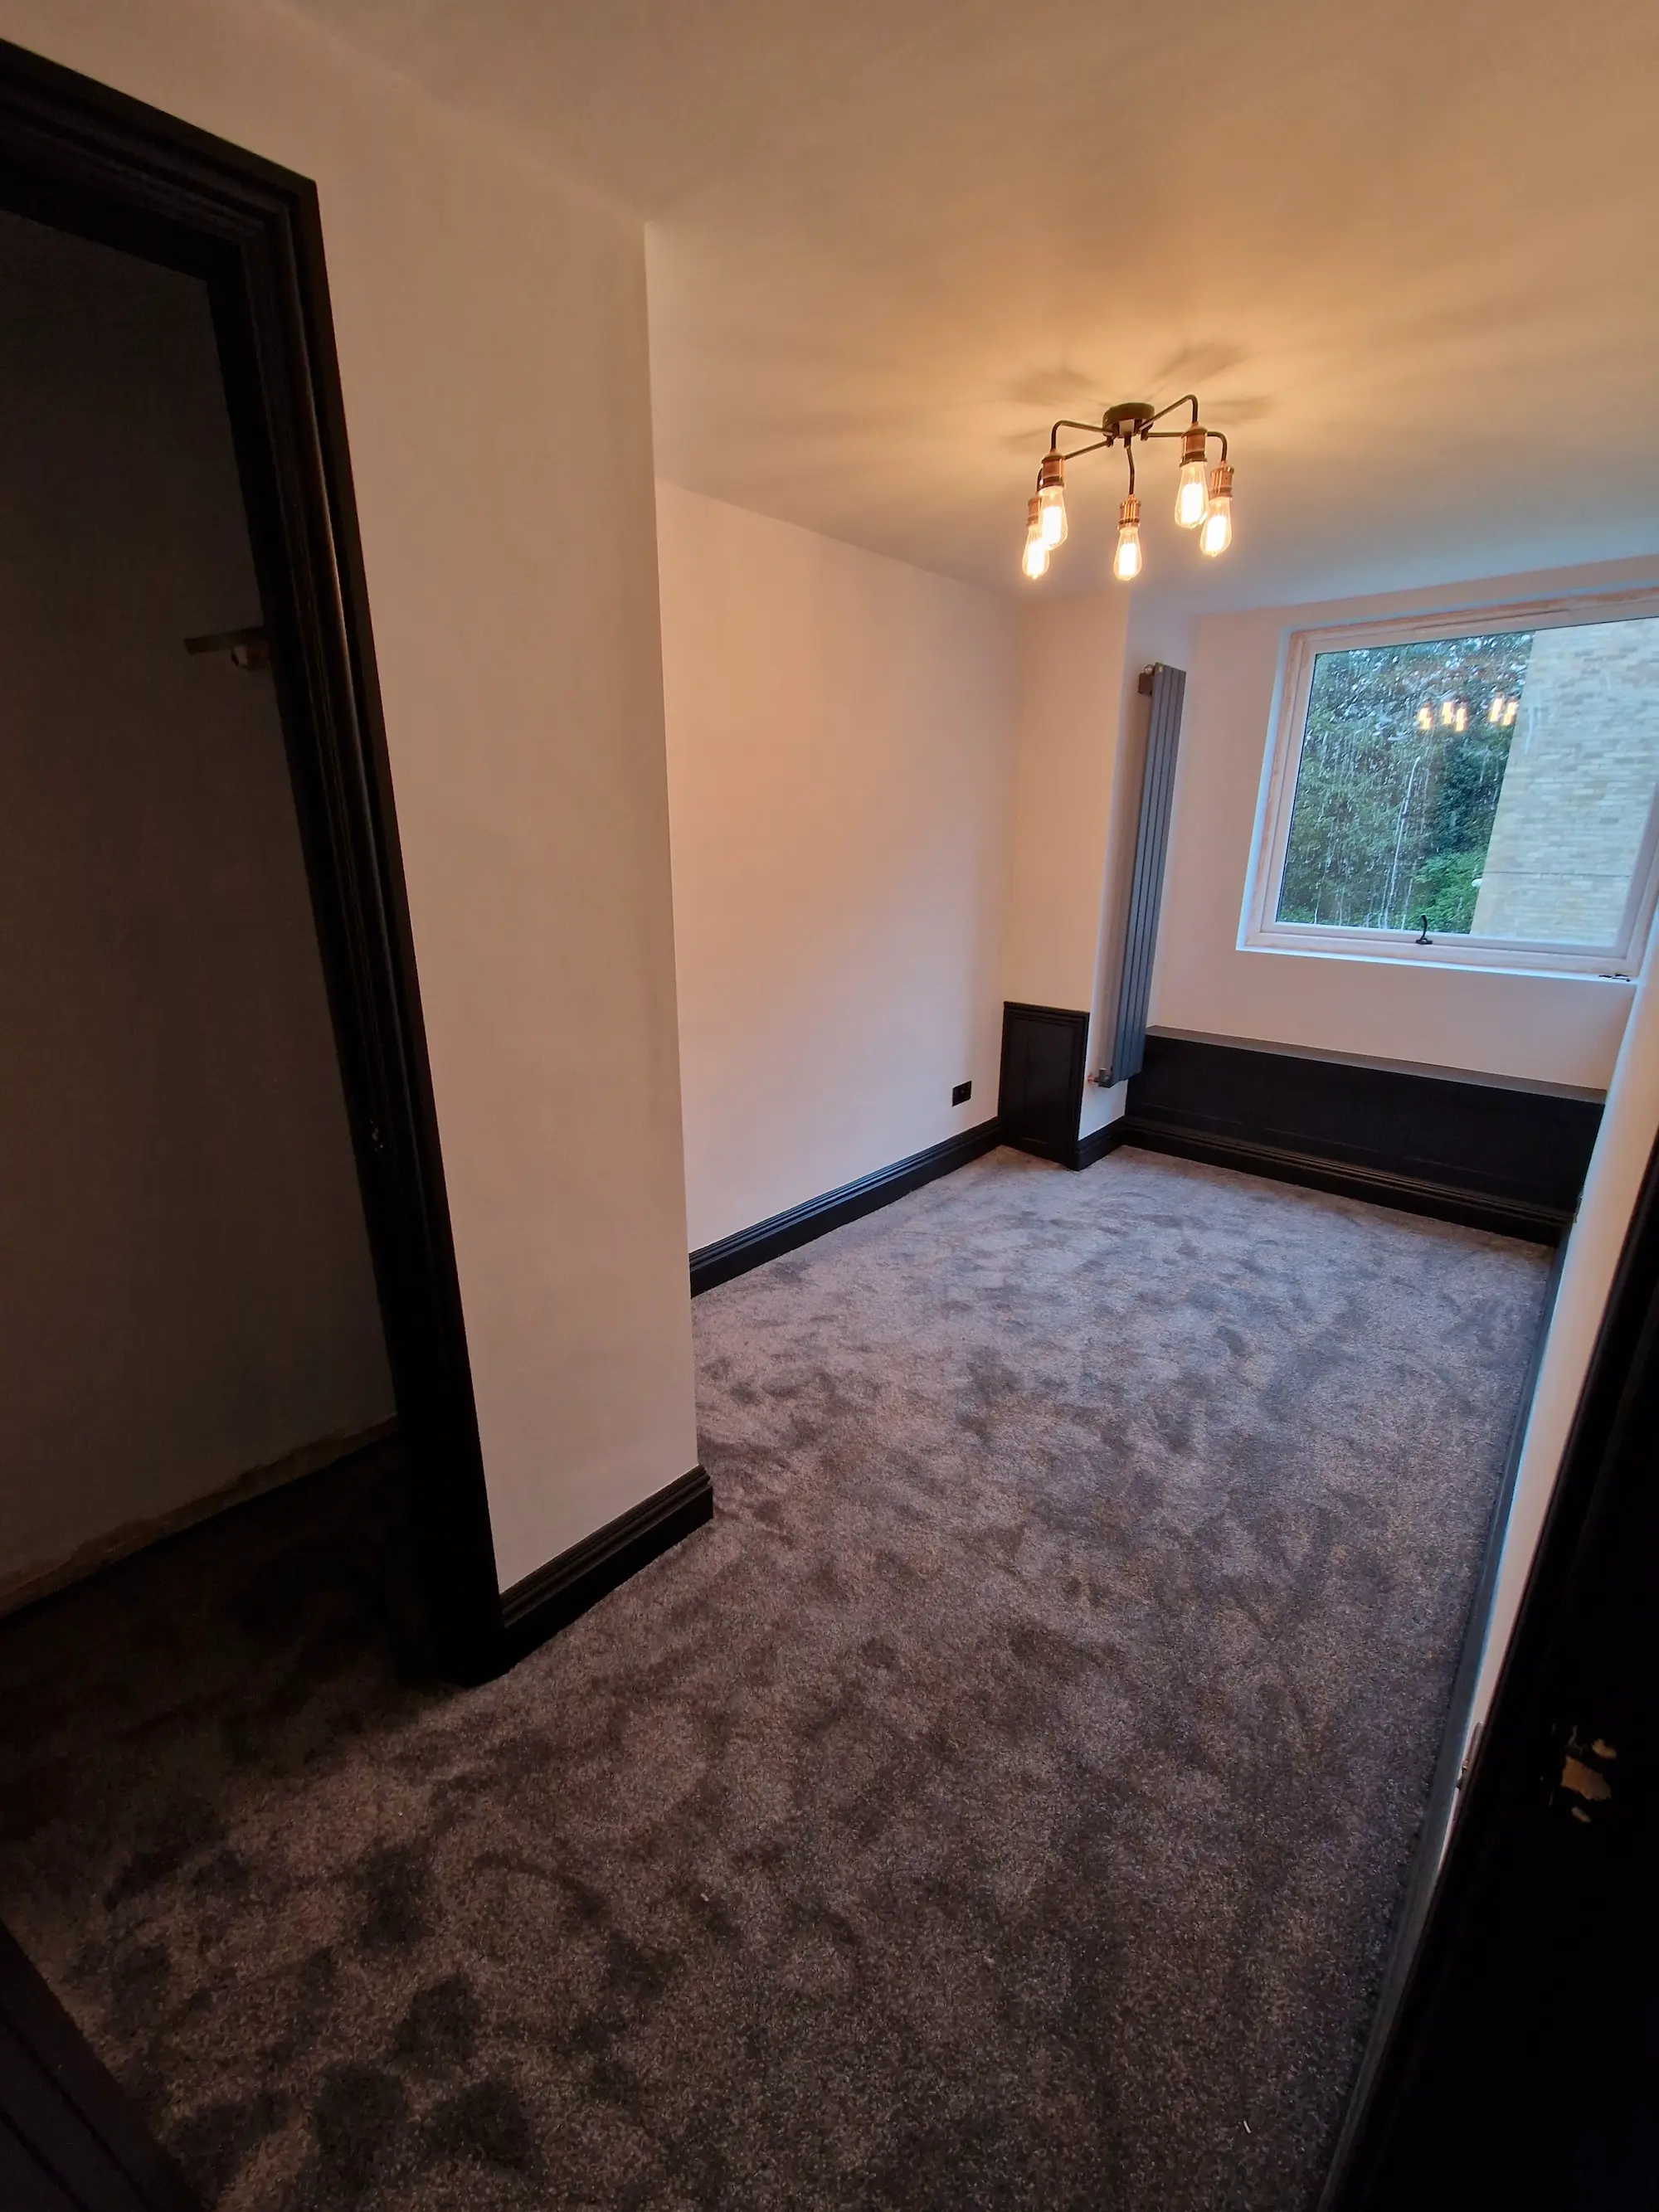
<point x="1478" y="792"/>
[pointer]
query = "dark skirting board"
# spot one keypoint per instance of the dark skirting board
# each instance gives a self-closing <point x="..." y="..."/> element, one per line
<point x="1098" y="1144"/>
<point x="735" y="1254"/>
<point x="1495" y="1157"/>
<point x="552" y="1598"/>
<point x="744" y="1249"/>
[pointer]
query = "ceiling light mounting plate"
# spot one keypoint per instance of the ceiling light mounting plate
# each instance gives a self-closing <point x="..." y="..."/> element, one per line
<point x="1130" y="418"/>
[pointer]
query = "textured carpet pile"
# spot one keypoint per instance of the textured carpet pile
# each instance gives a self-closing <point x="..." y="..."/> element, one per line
<point x="1003" y="1803"/>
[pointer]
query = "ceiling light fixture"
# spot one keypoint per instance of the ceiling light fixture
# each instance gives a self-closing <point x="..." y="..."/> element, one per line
<point x="1204" y="496"/>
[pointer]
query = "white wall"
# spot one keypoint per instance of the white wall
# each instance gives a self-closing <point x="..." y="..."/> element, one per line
<point x="1071" y="720"/>
<point x="1623" y="1143"/>
<point x="184" y="1265"/>
<point x="839" y="740"/>
<point x="1075" y="733"/>
<point x="492" y="337"/>
<point x="1544" y="1029"/>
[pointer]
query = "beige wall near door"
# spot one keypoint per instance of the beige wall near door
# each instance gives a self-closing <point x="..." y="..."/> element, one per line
<point x="840" y="754"/>
<point x="494" y="364"/>
<point x="184" y="1266"/>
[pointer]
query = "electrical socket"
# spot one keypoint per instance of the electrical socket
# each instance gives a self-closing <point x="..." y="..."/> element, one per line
<point x="961" y="1094"/>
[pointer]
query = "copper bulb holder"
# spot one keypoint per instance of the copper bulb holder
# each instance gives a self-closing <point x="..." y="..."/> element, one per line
<point x="1128" y="512"/>
<point x="1192" y="444"/>
<point x="1052" y="472"/>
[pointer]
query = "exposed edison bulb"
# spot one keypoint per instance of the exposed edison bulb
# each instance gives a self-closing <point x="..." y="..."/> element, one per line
<point x="1217" y="534"/>
<point x="1035" y="559"/>
<point x="1126" y="562"/>
<point x="1193" y="485"/>
<point x="1192" y="494"/>
<point x="1051" y="500"/>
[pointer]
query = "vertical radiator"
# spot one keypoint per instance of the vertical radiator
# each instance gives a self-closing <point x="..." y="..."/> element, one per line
<point x="1167" y="687"/>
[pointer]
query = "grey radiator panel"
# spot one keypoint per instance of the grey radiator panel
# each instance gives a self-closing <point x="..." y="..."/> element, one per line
<point x="1146" y="889"/>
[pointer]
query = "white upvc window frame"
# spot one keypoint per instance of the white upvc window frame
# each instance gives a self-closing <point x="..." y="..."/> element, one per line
<point x="1259" y="929"/>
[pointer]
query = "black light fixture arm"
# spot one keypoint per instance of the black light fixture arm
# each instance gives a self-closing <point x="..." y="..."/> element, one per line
<point x="1187" y="399"/>
<point x="1095" y="446"/>
<point x="1141" y="429"/>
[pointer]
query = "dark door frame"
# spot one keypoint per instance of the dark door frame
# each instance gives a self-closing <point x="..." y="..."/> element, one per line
<point x="70" y="2139"/>
<point x="1520" y="2064"/>
<point x="80" y="157"/>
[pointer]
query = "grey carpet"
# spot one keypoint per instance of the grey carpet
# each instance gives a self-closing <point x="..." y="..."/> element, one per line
<point x="1003" y="1803"/>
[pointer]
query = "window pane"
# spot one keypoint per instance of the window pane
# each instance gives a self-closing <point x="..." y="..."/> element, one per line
<point x="1498" y="785"/>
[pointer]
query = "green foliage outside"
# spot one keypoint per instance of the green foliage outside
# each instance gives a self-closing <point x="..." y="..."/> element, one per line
<point x="1391" y="822"/>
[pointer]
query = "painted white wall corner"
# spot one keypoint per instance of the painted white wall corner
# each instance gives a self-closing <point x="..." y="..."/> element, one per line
<point x="1080" y="753"/>
<point x="839" y="733"/>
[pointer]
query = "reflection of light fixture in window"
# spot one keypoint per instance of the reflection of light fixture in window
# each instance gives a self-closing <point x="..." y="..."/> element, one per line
<point x="1461" y="718"/>
<point x="1204" y="496"/>
<point x="1126" y="562"/>
<point x="1425" y="718"/>
<point x="1454" y="715"/>
<point x="1509" y="713"/>
<point x="1495" y="712"/>
<point x="1035" y="559"/>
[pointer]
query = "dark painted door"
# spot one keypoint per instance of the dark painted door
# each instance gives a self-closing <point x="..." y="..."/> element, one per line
<point x="70" y="2141"/>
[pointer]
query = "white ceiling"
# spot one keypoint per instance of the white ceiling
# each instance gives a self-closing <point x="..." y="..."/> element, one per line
<point x="1407" y="253"/>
